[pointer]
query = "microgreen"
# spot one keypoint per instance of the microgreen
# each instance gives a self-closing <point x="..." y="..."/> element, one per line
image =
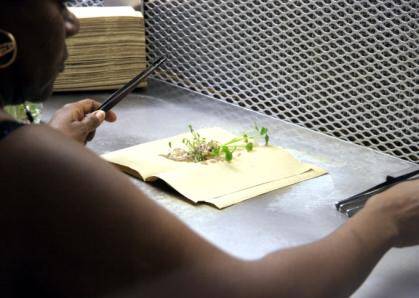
<point x="249" y="147"/>
<point x="198" y="149"/>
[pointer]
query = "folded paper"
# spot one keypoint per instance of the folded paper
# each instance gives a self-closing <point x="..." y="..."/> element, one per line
<point x="219" y="183"/>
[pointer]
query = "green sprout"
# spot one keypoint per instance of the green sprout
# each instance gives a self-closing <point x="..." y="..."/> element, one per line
<point x="198" y="149"/>
<point x="249" y="147"/>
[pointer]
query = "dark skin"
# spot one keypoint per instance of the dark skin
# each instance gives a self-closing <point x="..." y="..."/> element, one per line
<point x="41" y="56"/>
<point x="41" y="53"/>
<point x="73" y="226"/>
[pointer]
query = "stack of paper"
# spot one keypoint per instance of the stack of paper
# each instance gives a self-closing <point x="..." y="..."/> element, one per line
<point x="108" y="51"/>
<point x="219" y="183"/>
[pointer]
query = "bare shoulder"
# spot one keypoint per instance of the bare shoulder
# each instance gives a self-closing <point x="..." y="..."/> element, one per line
<point x="61" y="202"/>
<point x="39" y="153"/>
<point x="39" y="142"/>
<point x="40" y="162"/>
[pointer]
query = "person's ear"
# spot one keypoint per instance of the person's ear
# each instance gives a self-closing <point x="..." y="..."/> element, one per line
<point x="8" y="49"/>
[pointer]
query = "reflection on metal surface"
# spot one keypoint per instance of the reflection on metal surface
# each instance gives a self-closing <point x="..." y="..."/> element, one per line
<point x="346" y="68"/>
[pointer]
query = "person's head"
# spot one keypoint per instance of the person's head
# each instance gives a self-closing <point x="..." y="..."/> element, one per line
<point x="39" y="28"/>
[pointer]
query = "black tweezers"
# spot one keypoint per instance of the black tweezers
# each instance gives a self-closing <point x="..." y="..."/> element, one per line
<point x="120" y="94"/>
<point x="355" y="203"/>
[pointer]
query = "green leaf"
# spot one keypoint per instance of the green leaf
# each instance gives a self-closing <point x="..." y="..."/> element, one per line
<point x="249" y="147"/>
<point x="228" y="156"/>
<point x="170" y="144"/>
<point x="263" y="131"/>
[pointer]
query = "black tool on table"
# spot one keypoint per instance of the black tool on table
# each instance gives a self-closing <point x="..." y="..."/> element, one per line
<point x="120" y="94"/>
<point x="355" y="203"/>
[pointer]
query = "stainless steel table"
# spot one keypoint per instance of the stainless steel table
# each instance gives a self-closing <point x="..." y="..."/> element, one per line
<point x="283" y="218"/>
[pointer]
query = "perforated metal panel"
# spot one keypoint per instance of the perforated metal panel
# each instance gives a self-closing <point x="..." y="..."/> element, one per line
<point x="84" y="2"/>
<point x="347" y="68"/>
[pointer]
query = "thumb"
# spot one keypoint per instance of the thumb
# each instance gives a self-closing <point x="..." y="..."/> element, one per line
<point x="93" y="120"/>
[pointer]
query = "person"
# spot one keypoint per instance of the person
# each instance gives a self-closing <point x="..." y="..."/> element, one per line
<point x="73" y="226"/>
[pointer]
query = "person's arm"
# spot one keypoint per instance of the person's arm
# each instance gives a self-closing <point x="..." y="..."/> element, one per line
<point x="80" y="225"/>
<point x="86" y="231"/>
<point x="331" y="267"/>
<point x="79" y="120"/>
<point x="338" y="264"/>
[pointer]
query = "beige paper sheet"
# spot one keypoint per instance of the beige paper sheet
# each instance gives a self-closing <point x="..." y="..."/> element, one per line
<point x="218" y="183"/>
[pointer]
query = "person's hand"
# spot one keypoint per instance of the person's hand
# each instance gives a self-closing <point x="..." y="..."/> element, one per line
<point x="79" y="120"/>
<point x="400" y="206"/>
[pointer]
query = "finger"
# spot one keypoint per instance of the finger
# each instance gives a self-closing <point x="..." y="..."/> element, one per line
<point x="111" y="116"/>
<point x="90" y="136"/>
<point x="93" y="121"/>
<point x="88" y="105"/>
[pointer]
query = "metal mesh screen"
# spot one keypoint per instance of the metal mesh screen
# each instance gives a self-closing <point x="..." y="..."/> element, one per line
<point x="347" y="68"/>
<point x="84" y="2"/>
